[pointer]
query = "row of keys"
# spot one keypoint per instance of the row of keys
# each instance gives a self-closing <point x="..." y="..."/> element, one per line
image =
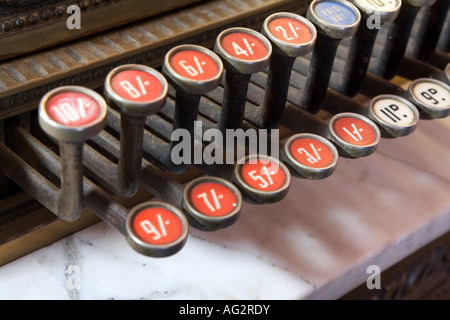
<point x="71" y="115"/>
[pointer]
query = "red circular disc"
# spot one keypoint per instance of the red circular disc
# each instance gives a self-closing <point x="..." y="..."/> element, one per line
<point x="213" y="199"/>
<point x="290" y="30"/>
<point x="263" y="175"/>
<point x="311" y="152"/>
<point x="157" y="226"/>
<point x="136" y="85"/>
<point x="354" y="131"/>
<point x="72" y="109"/>
<point x="194" y="65"/>
<point x="244" y="46"/>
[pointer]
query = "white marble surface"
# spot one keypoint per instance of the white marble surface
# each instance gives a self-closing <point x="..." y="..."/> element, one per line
<point x="315" y="244"/>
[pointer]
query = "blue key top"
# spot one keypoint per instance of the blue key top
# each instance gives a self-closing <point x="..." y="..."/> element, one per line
<point x="335" y="13"/>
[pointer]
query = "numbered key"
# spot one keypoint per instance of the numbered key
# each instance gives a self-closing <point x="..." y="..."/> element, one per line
<point x="353" y="135"/>
<point x="212" y="203"/>
<point x="193" y="69"/>
<point x="71" y="115"/>
<point x="244" y="52"/>
<point x="136" y="90"/>
<point x="431" y="96"/>
<point x="394" y="115"/>
<point x="334" y="21"/>
<point x="310" y="156"/>
<point x="291" y="36"/>
<point x="263" y="179"/>
<point x="156" y="229"/>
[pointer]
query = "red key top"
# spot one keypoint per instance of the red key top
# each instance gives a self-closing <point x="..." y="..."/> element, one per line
<point x="353" y="134"/>
<point x="290" y="30"/>
<point x="264" y="178"/>
<point x="156" y="229"/>
<point x="136" y="90"/>
<point x="244" y="46"/>
<point x="213" y="202"/>
<point x="194" y="65"/>
<point x="193" y="69"/>
<point x="213" y="199"/>
<point x="243" y="50"/>
<point x="136" y="85"/>
<point x="72" y="113"/>
<point x="354" y="131"/>
<point x="72" y="109"/>
<point x="310" y="156"/>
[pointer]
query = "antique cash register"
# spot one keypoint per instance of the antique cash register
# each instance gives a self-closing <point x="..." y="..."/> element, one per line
<point x="165" y="119"/>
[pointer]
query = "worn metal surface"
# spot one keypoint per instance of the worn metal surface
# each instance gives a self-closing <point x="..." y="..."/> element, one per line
<point x="23" y="23"/>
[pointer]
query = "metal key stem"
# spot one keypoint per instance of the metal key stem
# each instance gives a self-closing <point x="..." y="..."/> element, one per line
<point x="359" y="54"/>
<point x="321" y="65"/>
<point x="397" y="39"/>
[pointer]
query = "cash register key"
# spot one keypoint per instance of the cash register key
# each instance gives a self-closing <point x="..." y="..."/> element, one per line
<point x="263" y="178"/>
<point x="431" y="96"/>
<point x="394" y="115"/>
<point x="156" y="229"/>
<point x="310" y="156"/>
<point x="136" y="90"/>
<point x="212" y="202"/>
<point x="353" y="135"/>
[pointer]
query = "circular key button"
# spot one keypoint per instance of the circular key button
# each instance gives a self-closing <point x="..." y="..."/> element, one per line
<point x="212" y="202"/>
<point x="193" y="69"/>
<point x="72" y="113"/>
<point x="290" y="33"/>
<point x="156" y="229"/>
<point x="136" y="90"/>
<point x="337" y="19"/>
<point x="194" y="65"/>
<point x="263" y="178"/>
<point x="244" y="50"/>
<point x="310" y="156"/>
<point x="395" y="115"/>
<point x="353" y="135"/>
<point x="387" y="10"/>
<point x="431" y="96"/>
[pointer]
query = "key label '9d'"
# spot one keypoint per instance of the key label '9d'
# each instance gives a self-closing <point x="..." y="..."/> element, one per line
<point x="432" y="94"/>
